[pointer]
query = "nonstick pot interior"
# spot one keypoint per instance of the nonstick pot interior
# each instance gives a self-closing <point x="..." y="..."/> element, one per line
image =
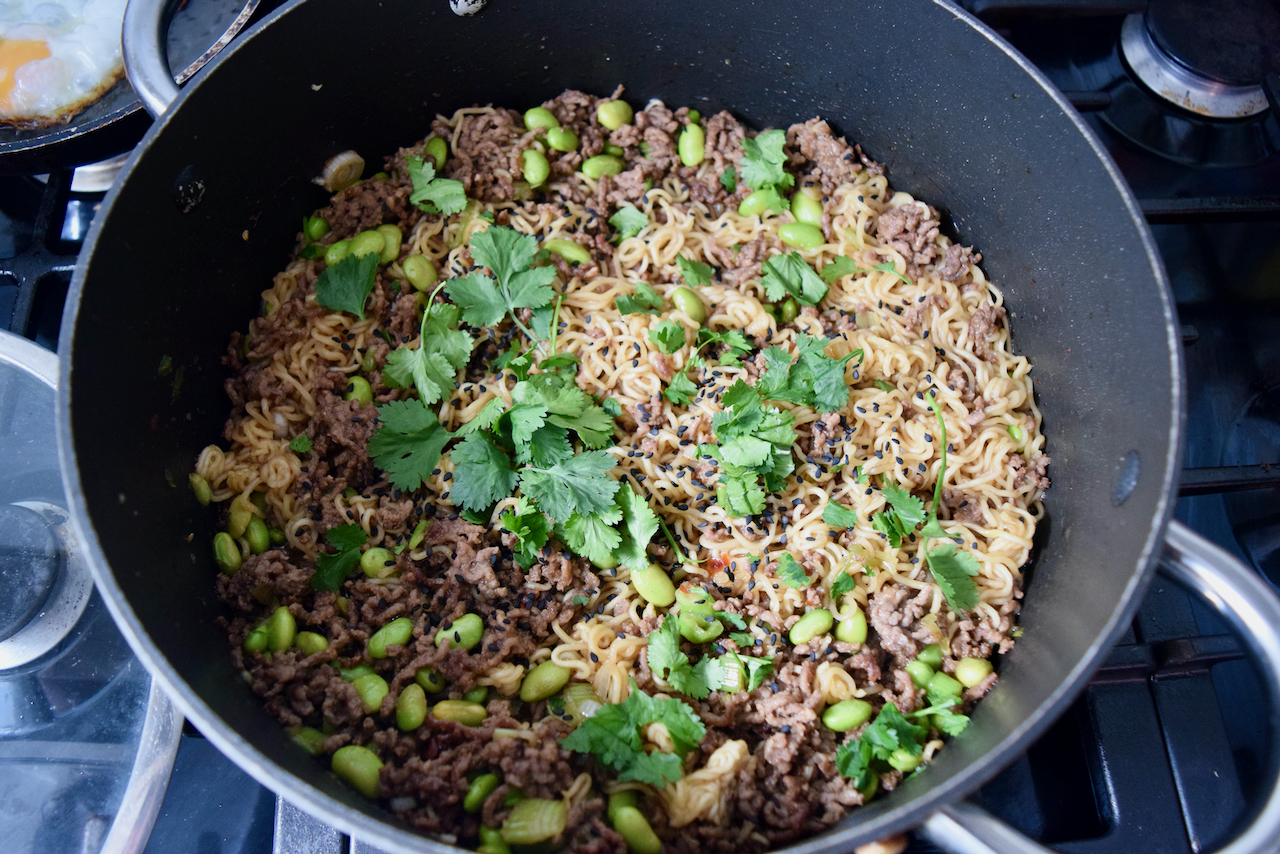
<point x="956" y="118"/>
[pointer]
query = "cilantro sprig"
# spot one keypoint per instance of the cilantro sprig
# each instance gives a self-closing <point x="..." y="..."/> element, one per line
<point x="667" y="336"/>
<point x="612" y="735"/>
<point x="863" y="758"/>
<point x="629" y="221"/>
<point x="442" y="351"/>
<point x="408" y="443"/>
<point x="694" y="272"/>
<point x="791" y="573"/>
<point x="346" y="285"/>
<point x="813" y="380"/>
<point x="728" y="672"/>
<point x="843" y="265"/>
<point x="515" y="283"/>
<point x="333" y="569"/>
<point x="754" y="451"/>
<point x="762" y="170"/>
<point x="791" y="275"/>
<point x="530" y="528"/>
<point x="431" y="194"/>
<point x="645" y="300"/>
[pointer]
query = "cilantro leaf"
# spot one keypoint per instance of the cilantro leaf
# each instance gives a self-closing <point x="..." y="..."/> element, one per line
<point x="891" y="731"/>
<point x="853" y="760"/>
<point x="949" y="722"/>
<point x="592" y="535"/>
<point x="681" y="390"/>
<point x="611" y="407"/>
<point x="953" y="570"/>
<point x="790" y="275"/>
<point x="641" y="524"/>
<point x="732" y="619"/>
<point x="431" y="194"/>
<point x="790" y="572"/>
<point x="509" y="255"/>
<point x="910" y="510"/>
<point x="408" y="443"/>
<point x="667" y="336"/>
<point x="695" y="272"/>
<point x="814" y="380"/>
<point x="629" y="221"/>
<point x="333" y="569"/>
<point x="729" y="179"/>
<point x="531" y="530"/>
<point x="346" y="285"/>
<point x="735" y="343"/>
<point x="669" y="663"/>
<point x="485" y="418"/>
<point x="581" y="600"/>
<point x="740" y="495"/>
<point x="612" y="735"/>
<point x="442" y="351"/>
<point x="758" y="670"/>
<point x="580" y="484"/>
<point x="482" y="473"/>
<point x="842" y="585"/>
<point x="644" y="301"/>
<point x="763" y="159"/>
<point x="301" y="444"/>
<point x="838" y="268"/>
<point x="838" y="516"/>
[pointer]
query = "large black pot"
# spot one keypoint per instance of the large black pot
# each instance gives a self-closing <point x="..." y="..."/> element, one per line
<point x="210" y="202"/>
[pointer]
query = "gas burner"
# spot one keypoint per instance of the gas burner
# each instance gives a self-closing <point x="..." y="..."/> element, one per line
<point x="1207" y="60"/>
<point x="1255" y="516"/>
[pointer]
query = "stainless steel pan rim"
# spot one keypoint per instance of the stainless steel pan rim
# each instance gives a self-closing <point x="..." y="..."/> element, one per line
<point x="872" y="822"/>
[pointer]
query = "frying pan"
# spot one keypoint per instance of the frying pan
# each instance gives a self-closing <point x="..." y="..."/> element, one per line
<point x="208" y="208"/>
<point x="115" y="122"/>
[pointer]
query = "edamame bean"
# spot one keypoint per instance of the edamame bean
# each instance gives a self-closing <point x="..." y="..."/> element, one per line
<point x="695" y="116"/>
<point x="226" y="553"/>
<point x="801" y="235"/>
<point x="467" y="714"/>
<point x="562" y="139"/>
<point x="308" y="738"/>
<point x="477" y="695"/>
<point x="971" y="671"/>
<point x="854" y="629"/>
<point x="615" y="150"/>
<point x="790" y="311"/>
<point x="904" y="760"/>
<point x="256" y="641"/>
<point x="574" y="253"/>
<point x="945" y="685"/>
<point x="379" y="176"/>
<point x="395" y="633"/>
<point x="276" y="537"/>
<point x="281" y="629"/>
<point x="377" y="562"/>
<point x="534" y="167"/>
<point x="479" y="790"/>
<point x="691" y="145"/>
<point x="805" y="208"/>
<point x="463" y="633"/>
<point x="931" y="655"/>
<point x="429" y="680"/>
<point x="367" y="243"/>
<point x="543" y="681"/>
<point x="817" y="622"/>
<point x="358" y="389"/>
<point x="614" y="114"/>
<point x="309" y="643"/>
<point x="359" y="766"/>
<point x="420" y="272"/>
<point x="392" y="238"/>
<point x="337" y="252"/>
<point x="755" y="204"/>
<point x="258" y="537"/>
<point x="634" y="829"/>
<point x="351" y="674"/>
<point x="315" y="228"/>
<point x="687" y="301"/>
<point x="1016" y="434"/>
<point x="259" y="501"/>
<point x="372" y="688"/>
<point x="368" y="361"/>
<point x="919" y="672"/>
<point x="540" y="117"/>
<point x="491" y="841"/>
<point x="620" y="800"/>
<point x="600" y="165"/>
<point x="654" y="586"/>
<point x="847" y="714"/>
<point x="438" y="150"/>
<point x="238" y="516"/>
<point x="201" y="489"/>
<point x="411" y="707"/>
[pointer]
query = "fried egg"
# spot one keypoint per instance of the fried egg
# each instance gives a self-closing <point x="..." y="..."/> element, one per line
<point x="56" y="56"/>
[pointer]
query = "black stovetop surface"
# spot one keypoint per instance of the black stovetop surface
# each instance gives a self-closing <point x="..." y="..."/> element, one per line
<point x="1166" y="749"/>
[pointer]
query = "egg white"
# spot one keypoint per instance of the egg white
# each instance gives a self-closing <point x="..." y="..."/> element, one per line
<point x="82" y="39"/>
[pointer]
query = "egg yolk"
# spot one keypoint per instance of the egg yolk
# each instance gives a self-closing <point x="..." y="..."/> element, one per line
<point x="13" y="55"/>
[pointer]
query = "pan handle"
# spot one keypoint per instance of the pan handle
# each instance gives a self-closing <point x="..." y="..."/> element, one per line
<point x="1251" y="608"/>
<point x="146" y="53"/>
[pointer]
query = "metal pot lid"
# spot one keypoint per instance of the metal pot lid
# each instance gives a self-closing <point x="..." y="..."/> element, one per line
<point x="86" y="740"/>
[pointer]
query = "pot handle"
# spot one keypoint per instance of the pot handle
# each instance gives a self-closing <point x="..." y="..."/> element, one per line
<point x="1251" y="608"/>
<point x="145" y="39"/>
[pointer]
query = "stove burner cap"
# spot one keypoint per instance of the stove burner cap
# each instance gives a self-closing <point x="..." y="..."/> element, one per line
<point x="28" y="567"/>
<point x="1205" y="60"/>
